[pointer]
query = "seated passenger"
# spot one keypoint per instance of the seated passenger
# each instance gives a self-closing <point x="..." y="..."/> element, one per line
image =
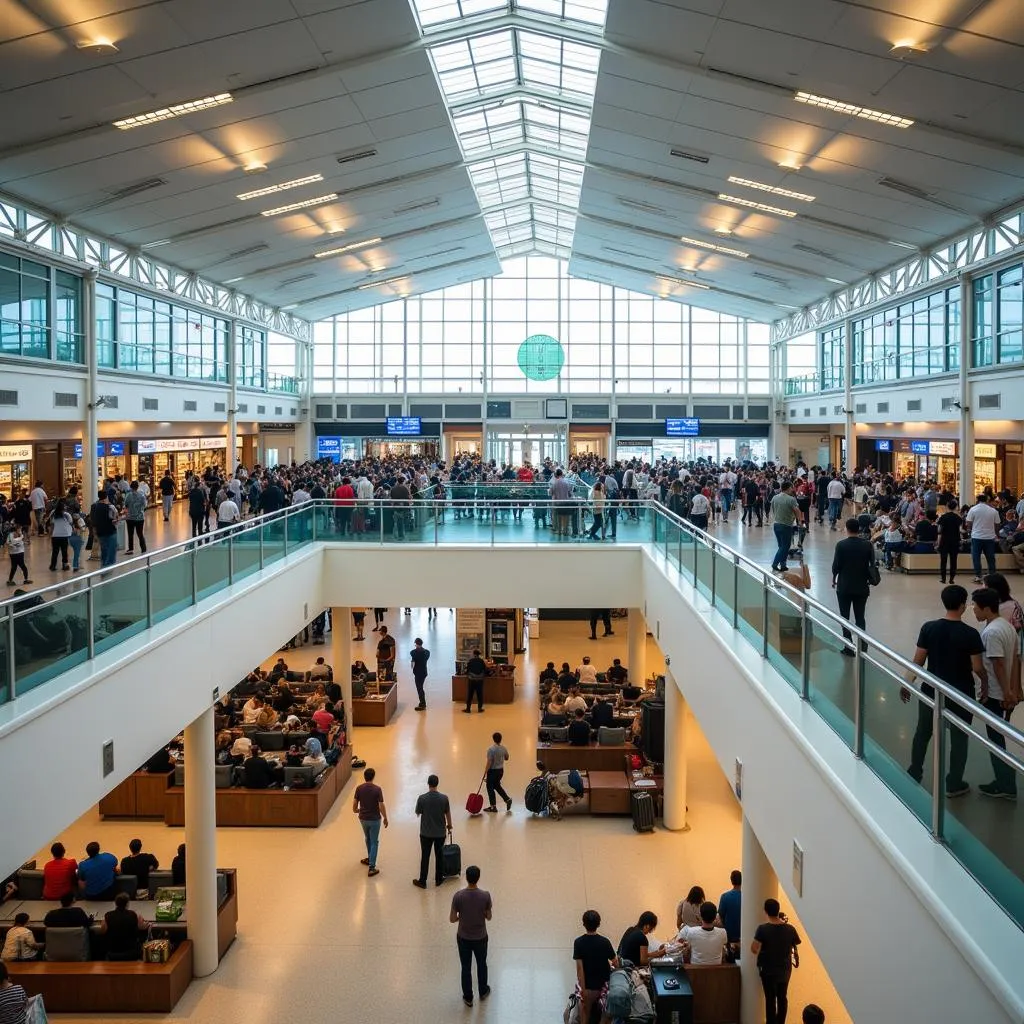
<point x="601" y="713"/>
<point x="548" y="674"/>
<point x="318" y="698"/>
<point x="688" y="911"/>
<point x="314" y="754"/>
<point x="321" y="670"/>
<point x="284" y="699"/>
<point x="67" y="915"/>
<point x="226" y="707"/>
<point x="566" y="680"/>
<point x="96" y="874"/>
<point x="707" y="943"/>
<point x="926" y="534"/>
<point x="586" y="673"/>
<point x="324" y="718"/>
<point x="14" y="999"/>
<point x="240" y="749"/>
<point x="557" y="704"/>
<point x="574" y="702"/>
<point x="20" y="943"/>
<point x="160" y="763"/>
<point x="267" y="717"/>
<point x="123" y="929"/>
<point x="139" y="864"/>
<point x="633" y="946"/>
<point x="257" y="773"/>
<point x="59" y="874"/>
<point x="291" y="724"/>
<point x="616" y="675"/>
<point x="222" y="747"/>
<point x="251" y="709"/>
<point x="579" y="731"/>
<point x="178" y="866"/>
<point x="631" y="694"/>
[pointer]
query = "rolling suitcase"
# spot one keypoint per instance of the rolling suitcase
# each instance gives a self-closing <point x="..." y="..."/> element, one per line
<point x="475" y="801"/>
<point x="643" y="812"/>
<point x="451" y="858"/>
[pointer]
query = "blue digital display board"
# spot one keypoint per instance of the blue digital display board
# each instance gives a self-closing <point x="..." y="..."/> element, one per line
<point x="101" y="449"/>
<point x="328" y="448"/>
<point x="883" y="446"/>
<point x="919" y="447"/>
<point x="688" y="427"/>
<point x="404" y="426"/>
<point x="116" y="448"/>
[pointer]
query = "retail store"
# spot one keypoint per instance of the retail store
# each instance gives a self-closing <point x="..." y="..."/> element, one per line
<point x="15" y="468"/>
<point x="152" y="457"/>
<point x="402" y="437"/>
<point x="689" y="439"/>
<point x="996" y="464"/>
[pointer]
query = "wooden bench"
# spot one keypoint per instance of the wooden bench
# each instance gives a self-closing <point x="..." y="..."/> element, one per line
<point x="557" y="757"/>
<point x="716" y="993"/>
<point x="499" y="688"/>
<point x="100" y="986"/>
<point x="141" y="795"/>
<point x="372" y="710"/>
<point x="911" y="563"/>
<point x="258" y="808"/>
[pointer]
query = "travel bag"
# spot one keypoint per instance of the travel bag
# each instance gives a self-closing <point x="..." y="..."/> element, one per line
<point x="451" y="858"/>
<point x="642" y="807"/>
<point x="475" y="801"/>
<point x="536" y="798"/>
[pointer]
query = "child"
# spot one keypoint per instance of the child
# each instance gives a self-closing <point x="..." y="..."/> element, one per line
<point x="16" y="549"/>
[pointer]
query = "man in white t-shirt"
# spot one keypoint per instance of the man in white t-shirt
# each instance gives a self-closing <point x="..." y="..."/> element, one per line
<point x="999" y="687"/>
<point x="227" y="513"/>
<point x="983" y="520"/>
<point x="586" y="673"/>
<point x="38" y="498"/>
<point x="574" y="701"/>
<point x="707" y="943"/>
<point x="836" y="494"/>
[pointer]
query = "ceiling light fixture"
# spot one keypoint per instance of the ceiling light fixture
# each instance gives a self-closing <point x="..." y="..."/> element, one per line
<point x="697" y="158"/>
<point x="675" y="282"/>
<point x="234" y="280"/>
<point x="835" y="280"/>
<point x="763" y="207"/>
<point x="296" y="280"/>
<point x="303" y="205"/>
<point x="383" y="284"/>
<point x="97" y="47"/>
<point x="248" y="251"/>
<point x="177" y="110"/>
<point x="901" y="245"/>
<point x="723" y="230"/>
<point x="760" y="186"/>
<point x="346" y="248"/>
<point x="426" y="204"/>
<point x="880" y="116"/>
<point x="356" y="154"/>
<point x="790" y="165"/>
<point x="283" y="187"/>
<point x="714" y="247"/>
<point x="156" y="244"/>
<point x="907" y="49"/>
<point x="291" y="305"/>
<point x="254" y="167"/>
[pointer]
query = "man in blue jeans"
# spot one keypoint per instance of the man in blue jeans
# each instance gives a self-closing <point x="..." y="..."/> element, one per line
<point x="984" y="522"/>
<point x="104" y="528"/>
<point x="785" y="513"/>
<point x="368" y="803"/>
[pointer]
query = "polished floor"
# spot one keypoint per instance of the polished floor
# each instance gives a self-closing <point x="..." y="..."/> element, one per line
<point x="320" y="941"/>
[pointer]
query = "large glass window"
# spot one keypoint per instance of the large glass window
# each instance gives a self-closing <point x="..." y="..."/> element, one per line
<point x="24" y="308"/>
<point x="456" y="339"/>
<point x="250" y="357"/>
<point x="833" y="358"/>
<point x="1009" y="347"/>
<point x="983" y="323"/>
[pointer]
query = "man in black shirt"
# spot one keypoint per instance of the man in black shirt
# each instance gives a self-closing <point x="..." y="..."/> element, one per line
<point x="103" y="517"/>
<point x="951" y="650"/>
<point x="476" y="671"/>
<point x="67" y="915"/>
<point x="579" y="731"/>
<point x="139" y="864"/>
<point x="419" y="656"/>
<point x="593" y="954"/>
<point x="616" y="675"/>
<point x="774" y="946"/>
<point x="385" y="655"/>
<point x="851" y="565"/>
<point x="601" y="713"/>
<point x="257" y="772"/>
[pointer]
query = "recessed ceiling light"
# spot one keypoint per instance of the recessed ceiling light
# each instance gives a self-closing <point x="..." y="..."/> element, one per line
<point x="723" y="231"/>
<point x="675" y="282"/>
<point x="714" y="247"/>
<point x="304" y="204"/>
<point x="907" y="49"/>
<point x="97" y="47"/>
<point x="763" y="207"/>
<point x="283" y="187"/>
<point x="790" y="165"/>
<point x="775" y="190"/>
<point x="254" y="167"/>
<point x="346" y="248"/>
<point x="383" y="284"/>
<point x="176" y="110"/>
<point x="156" y="244"/>
<point x="893" y="120"/>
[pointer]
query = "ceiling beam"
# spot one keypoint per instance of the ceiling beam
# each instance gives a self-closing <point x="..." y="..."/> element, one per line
<point x="496" y="97"/>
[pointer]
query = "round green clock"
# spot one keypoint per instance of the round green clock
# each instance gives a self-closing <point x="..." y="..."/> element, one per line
<point x="541" y="357"/>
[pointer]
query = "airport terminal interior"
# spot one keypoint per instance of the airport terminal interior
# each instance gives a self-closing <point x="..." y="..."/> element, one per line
<point x="313" y="312"/>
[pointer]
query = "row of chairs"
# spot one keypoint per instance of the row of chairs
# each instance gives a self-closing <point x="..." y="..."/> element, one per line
<point x="224" y="776"/>
<point x="606" y="736"/>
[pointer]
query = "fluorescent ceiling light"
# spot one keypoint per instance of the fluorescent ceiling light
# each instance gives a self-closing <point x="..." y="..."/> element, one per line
<point x="763" y="207"/>
<point x="714" y="247"/>
<point x="785" y="305"/>
<point x="893" y="120"/>
<point x="177" y="110"/>
<point x="291" y="305"/>
<point x="383" y="284"/>
<point x="835" y="280"/>
<point x="234" y="280"/>
<point x="283" y="187"/>
<point x="760" y="186"/>
<point x="901" y="245"/>
<point x="156" y="244"/>
<point x="674" y="282"/>
<point x="304" y="204"/>
<point x="346" y="248"/>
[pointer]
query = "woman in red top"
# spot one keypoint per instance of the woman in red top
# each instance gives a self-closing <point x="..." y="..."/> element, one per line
<point x="59" y="874"/>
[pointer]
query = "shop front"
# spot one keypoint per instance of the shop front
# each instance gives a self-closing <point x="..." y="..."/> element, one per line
<point x="152" y="457"/>
<point x="595" y="440"/>
<point x="462" y="439"/>
<point x="940" y="461"/>
<point x="16" y="468"/>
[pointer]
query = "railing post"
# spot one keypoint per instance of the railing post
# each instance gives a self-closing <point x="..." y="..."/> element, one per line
<point x="735" y="592"/>
<point x="379" y="505"/>
<point x="195" y="575"/>
<point x="858" y="700"/>
<point x="938" y="766"/>
<point x="435" y="522"/>
<point x="316" y="517"/>
<point x="90" y="618"/>
<point x="231" y="558"/>
<point x="284" y="523"/>
<point x="714" y="574"/>
<point x="693" y="544"/>
<point x="805" y="652"/>
<point x="12" y="661"/>
<point x="149" y="594"/>
<point x="764" y="619"/>
<point x="493" y="514"/>
<point x="259" y="528"/>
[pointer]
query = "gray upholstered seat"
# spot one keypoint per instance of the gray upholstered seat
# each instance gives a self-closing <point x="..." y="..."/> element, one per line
<point x="223" y="775"/>
<point x="179" y="775"/>
<point x="67" y="944"/>
<point x="307" y="771"/>
<point x="270" y="740"/>
<point x="159" y="880"/>
<point x="607" y="737"/>
<point x="128" y="884"/>
<point x="30" y="884"/>
<point x="557" y="735"/>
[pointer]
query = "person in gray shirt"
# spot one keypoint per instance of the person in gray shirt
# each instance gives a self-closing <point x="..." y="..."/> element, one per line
<point x="497" y="755"/>
<point x="135" y="514"/>
<point x="786" y="515"/>
<point x="561" y="492"/>
<point x="435" y="816"/>
<point x="471" y="910"/>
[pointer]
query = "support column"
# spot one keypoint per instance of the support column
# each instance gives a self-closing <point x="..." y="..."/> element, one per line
<point x="759" y="884"/>
<point x="674" y="813"/>
<point x="201" y="843"/>
<point x="851" y="437"/>
<point x="636" y="647"/>
<point x="341" y="660"/>
<point x="232" y="455"/>
<point x="89" y="428"/>
<point x="966" y="438"/>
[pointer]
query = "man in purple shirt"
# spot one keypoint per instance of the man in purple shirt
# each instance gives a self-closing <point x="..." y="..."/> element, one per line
<point x="368" y="803"/>
<point x="471" y="910"/>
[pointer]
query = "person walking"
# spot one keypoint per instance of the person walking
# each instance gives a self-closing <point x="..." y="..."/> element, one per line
<point x="435" y="814"/>
<point x="419" y="656"/>
<point x="775" y="946"/>
<point x="476" y="672"/>
<point x="597" y="497"/>
<point x="359" y="622"/>
<point x="16" y="553"/>
<point x="471" y="910"/>
<point x="851" y="576"/>
<point x="951" y="650"/>
<point x="135" y="517"/>
<point x="198" y="507"/>
<point x="605" y="615"/>
<point x="593" y="955"/>
<point x="61" y="529"/>
<point x="785" y="514"/>
<point x="167" y="494"/>
<point x="836" y="493"/>
<point x="494" y="769"/>
<point x="368" y="803"/>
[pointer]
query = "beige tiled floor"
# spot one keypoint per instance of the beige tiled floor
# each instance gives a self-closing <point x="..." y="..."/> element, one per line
<point x="319" y="941"/>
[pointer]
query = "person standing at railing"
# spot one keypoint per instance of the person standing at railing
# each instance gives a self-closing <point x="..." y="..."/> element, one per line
<point x="786" y="516"/>
<point x="951" y="650"/>
<point x="851" y="576"/>
<point x="104" y="526"/>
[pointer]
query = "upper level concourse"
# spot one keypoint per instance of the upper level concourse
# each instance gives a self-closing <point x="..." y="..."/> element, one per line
<point x="822" y="738"/>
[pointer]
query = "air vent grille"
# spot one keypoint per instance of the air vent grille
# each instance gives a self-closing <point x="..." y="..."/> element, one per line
<point x="861" y="407"/>
<point x="822" y="410"/>
<point x="462" y="411"/>
<point x="8" y="397"/>
<point x="590" y="412"/>
<point x="807" y="411"/>
<point x="882" y="407"/>
<point x="220" y="407"/>
<point x="989" y="401"/>
<point x="261" y="410"/>
<point x="395" y="410"/>
<point x="278" y="410"/>
<point x="323" y="412"/>
<point x="757" y="412"/>
<point x="151" y="404"/>
<point x="711" y="412"/>
<point x="341" y="413"/>
<point x="111" y="401"/>
<point x="244" y="407"/>
<point x="683" y="154"/>
<point x="636" y="412"/>
<point x="947" y="404"/>
<point x="65" y="400"/>
<point x="190" y="405"/>
<point x="837" y="410"/>
<point x="667" y="411"/>
<point x="914" y="405"/>
<point x="364" y="411"/>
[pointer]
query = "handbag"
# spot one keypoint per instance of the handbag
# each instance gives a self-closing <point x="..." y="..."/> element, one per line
<point x="874" y="574"/>
<point x="35" y="1011"/>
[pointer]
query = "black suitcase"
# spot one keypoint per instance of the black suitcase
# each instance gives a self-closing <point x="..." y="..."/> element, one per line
<point x="643" y="812"/>
<point x="451" y="859"/>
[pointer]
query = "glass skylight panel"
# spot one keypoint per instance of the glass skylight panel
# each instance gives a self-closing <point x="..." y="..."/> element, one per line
<point x="490" y="128"/>
<point x="591" y="12"/>
<point x="432" y="13"/>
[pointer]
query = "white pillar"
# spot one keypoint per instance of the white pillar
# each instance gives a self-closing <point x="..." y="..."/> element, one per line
<point x="341" y="660"/>
<point x="674" y="813"/>
<point x="966" y="494"/>
<point x="89" y="428"/>
<point x="636" y="647"/>
<point x="201" y="844"/>
<point x="759" y="884"/>
<point x="232" y="455"/>
<point x="851" y="437"/>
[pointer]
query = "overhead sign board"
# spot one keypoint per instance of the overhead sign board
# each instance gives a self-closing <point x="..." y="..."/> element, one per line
<point x="686" y="427"/>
